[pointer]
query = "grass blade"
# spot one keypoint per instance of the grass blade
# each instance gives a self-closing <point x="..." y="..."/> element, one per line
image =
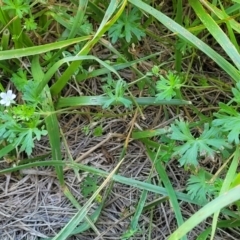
<point x="216" y="32"/>
<point x="189" y="37"/>
<point x="178" y="54"/>
<point x="70" y="226"/>
<point x="169" y="188"/>
<point x="226" y="184"/>
<point x="5" y="150"/>
<point x="220" y="202"/>
<point x="57" y="65"/>
<point x="24" y="52"/>
<point x="222" y="15"/>
<point x="104" y="26"/>
<point x="149" y="133"/>
<point x="100" y="100"/>
<point x="82" y="6"/>
<point x="117" y="178"/>
<point x="120" y="179"/>
<point x="54" y="134"/>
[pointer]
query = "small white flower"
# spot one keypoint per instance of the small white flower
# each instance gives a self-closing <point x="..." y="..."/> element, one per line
<point x="7" y="98"/>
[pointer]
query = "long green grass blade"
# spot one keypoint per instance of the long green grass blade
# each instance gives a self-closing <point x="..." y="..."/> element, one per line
<point x="117" y="178"/>
<point x="104" y="26"/>
<point x="118" y="66"/>
<point x="5" y="150"/>
<point x="57" y="65"/>
<point x="169" y="188"/>
<point x="139" y="209"/>
<point x="24" y="52"/>
<point x="216" y="32"/>
<point x="223" y="15"/>
<point x="53" y="133"/>
<point x="178" y="54"/>
<point x="221" y="224"/>
<point x="226" y="185"/>
<point x="100" y="100"/>
<point x="54" y="139"/>
<point x="188" y="37"/>
<point x="82" y="6"/>
<point x="71" y="225"/>
<point x="51" y="120"/>
<point x="220" y="202"/>
<point x="123" y="180"/>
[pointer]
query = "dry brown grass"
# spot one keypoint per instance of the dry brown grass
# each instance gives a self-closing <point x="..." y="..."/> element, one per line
<point x="32" y="205"/>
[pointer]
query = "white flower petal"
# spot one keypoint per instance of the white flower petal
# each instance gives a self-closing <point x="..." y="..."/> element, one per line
<point x="13" y="96"/>
<point x="2" y="94"/>
<point x="7" y="98"/>
<point x="10" y="95"/>
<point x="7" y="104"/>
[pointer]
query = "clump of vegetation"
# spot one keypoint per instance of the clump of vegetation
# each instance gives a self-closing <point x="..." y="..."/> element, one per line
<point x="53" y="53"/>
